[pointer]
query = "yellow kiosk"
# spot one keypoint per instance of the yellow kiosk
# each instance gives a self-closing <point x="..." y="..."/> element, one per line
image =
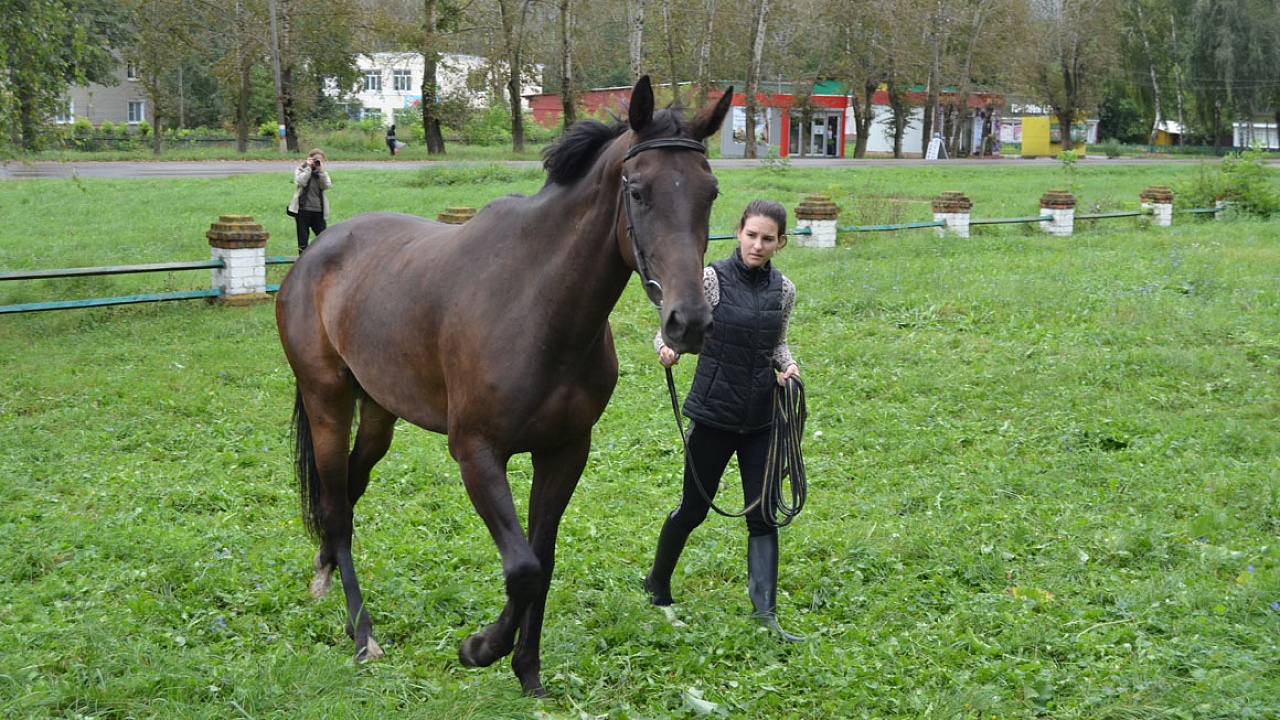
<point x="1041" y="137"/>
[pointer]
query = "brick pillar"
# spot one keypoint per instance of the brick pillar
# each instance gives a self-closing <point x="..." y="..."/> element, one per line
<point x="819" y="214"/>
<point x="1159" y="198"/>
<point x="1061" y="205"/>
<point x="456" y="215"/>
<point x="240" y="244"/>
<point x="953" y="208"/>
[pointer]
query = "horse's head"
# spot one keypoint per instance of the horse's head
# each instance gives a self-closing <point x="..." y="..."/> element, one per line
<point x="667" y="192"/>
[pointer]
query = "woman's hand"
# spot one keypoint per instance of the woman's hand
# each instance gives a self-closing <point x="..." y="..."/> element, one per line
<point x="668" y="357"/>
<point x="792" y="371"/>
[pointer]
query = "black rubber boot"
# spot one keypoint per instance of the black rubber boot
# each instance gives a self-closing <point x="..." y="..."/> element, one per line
<point x="670" y="544"/>
<point x="762" y="583"/>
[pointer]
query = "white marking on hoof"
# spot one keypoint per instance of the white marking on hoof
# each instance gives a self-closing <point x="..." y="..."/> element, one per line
<point x="321" y="583"/>
<point x="372" y="651"/>
<point x="670" y="614"/>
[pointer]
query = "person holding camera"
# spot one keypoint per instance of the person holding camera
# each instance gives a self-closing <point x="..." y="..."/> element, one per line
<point x="310" y="205"/>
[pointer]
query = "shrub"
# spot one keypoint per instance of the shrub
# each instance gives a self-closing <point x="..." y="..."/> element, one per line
<point x="107" y="129"/>
<point x="1111" y="147"/>
<point x="1242" y="179"/>
<point x="491" y="126"/>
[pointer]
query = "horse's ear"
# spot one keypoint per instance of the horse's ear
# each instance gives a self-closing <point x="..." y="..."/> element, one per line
<point x="640" y="111"/>
<point x="706" y="123"/>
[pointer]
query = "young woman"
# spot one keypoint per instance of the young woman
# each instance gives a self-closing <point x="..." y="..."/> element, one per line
<point x="310" y="205"/>
<point x="730" y="403"/>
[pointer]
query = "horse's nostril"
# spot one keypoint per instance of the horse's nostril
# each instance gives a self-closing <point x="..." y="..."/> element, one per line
<point x="686" y="331"/>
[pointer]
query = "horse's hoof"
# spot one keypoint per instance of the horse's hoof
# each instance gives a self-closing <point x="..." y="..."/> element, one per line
<point x="321" y="583"/>
<point x="472" y="652"/>
<point x="371" y="651"/>
<point x="535" y="691"/>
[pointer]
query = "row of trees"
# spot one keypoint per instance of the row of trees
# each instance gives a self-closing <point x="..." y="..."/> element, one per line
<point x="1201" y="63"/>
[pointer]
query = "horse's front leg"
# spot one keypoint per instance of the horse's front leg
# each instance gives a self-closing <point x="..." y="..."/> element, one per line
<point x="555" y="477"/>
<point x="484" y="473"/>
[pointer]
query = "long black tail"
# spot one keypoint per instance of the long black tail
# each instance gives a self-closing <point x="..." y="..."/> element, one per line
<point x="304" y="462"/>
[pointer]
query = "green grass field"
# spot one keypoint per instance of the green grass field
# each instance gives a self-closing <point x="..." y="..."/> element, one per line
<point x="1043" y="479"/>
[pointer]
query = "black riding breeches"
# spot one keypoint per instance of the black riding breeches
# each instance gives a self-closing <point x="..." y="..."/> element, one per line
<point x="709" y="452"/>
<point x="308" y="221"/>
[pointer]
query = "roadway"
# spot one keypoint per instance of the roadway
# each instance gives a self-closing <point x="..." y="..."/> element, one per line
<point x="23" y="170"/>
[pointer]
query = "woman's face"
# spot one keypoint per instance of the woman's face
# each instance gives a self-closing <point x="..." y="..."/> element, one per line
<point x="758" y="240"/>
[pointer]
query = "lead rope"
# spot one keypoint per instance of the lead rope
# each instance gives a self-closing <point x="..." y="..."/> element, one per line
<point x="782" y="462"/>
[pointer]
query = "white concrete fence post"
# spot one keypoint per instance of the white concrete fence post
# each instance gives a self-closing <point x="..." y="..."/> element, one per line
<point x="819" y="214"/>
<point x="953" y="208"/>
<point x="1060" y="205"/>
<point x="1158" y="199"/>
<point x="240" y="244"/>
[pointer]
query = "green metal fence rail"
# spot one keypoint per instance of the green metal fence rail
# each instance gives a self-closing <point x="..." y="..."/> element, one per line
<point x="1002" y="221"/>
<point x="108" y="270"/>
<point x="286" y="260"/>
<point x="99" y="302"/>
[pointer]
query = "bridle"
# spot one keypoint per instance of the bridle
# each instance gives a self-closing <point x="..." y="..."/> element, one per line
<point x="642" y="265"/>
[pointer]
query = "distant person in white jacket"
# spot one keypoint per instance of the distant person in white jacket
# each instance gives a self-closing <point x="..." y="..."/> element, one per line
<point x="310" y="205"/>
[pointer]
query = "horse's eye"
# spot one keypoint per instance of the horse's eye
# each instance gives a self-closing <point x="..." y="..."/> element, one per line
<point x="635" y="194"/>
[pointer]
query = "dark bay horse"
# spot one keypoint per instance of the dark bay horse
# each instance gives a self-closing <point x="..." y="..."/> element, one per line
<point x="495" y="333"/>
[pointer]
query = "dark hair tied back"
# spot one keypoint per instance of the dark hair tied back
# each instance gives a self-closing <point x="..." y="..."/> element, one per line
<point x="766" y="208"/>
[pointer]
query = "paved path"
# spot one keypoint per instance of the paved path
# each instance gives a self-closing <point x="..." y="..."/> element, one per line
<point x="19" y="170"/>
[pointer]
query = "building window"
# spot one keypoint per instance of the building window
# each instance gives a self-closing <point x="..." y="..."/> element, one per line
<point x="66" y="113"/>
<point x="137" y="111"/>
<point x="402" y="80"/>
<point x="131" y="72"/>
<point x="366" y="113"/>
<point x="373" y="81"/>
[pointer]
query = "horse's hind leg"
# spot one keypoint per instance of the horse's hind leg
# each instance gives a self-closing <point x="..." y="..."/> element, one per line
<point x="373" y="438"/>
<point x="330" y="414"/>
<point x="484" y="473"/>
<point x="555" y="477"/>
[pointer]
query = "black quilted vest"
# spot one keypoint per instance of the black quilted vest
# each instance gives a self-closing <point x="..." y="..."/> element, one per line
<point x="733" y="386"/>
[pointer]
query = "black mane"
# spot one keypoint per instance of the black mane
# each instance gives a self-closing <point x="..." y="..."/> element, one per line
<point x="570" y="157"/>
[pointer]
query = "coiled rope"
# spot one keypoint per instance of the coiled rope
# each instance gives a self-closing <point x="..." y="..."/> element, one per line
<point x="783" y="463"/>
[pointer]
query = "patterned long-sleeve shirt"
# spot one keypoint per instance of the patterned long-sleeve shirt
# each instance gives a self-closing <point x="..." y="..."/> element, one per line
<point x="711" y="288"/>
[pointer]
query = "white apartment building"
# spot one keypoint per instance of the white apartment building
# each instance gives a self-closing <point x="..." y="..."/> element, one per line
<point x="124" y="102"/>
<point x="393" y="81"/>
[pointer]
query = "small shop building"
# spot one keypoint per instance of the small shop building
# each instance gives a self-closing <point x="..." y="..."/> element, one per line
<point x="789" y="127"/>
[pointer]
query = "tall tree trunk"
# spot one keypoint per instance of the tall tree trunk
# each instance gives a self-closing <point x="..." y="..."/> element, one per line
<point x="29" y="124"/>
<point x="935" y="73"/>
<point x="430" y="82"/>
<point x="1151" y="68"/>
<point x="1177" y="81"/>
<point x="243" y="94"/>
<point x="568" y="96"/>
<point x="157" y="132"/>
<point x="512" y="12"/>
<point x="290" y="108"/>
<point x="863" y="116"/>
<point x="704" y="57"/>
<point x="753" y="74"/>
<point x="635" y="43"/>
<point x="901" y="111"/>
<point x="671" y="52"/>
<point x="1067" y="113"/>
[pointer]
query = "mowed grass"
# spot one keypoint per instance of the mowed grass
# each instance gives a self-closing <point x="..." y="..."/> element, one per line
<point x="1043" y="480"/>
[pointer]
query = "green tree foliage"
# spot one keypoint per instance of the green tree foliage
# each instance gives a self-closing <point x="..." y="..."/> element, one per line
<point x="45" y="46"/>
<point x="1076" y="43"/>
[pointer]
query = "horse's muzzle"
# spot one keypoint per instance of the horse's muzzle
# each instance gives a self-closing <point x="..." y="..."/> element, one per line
<point x="686" y="325"/>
